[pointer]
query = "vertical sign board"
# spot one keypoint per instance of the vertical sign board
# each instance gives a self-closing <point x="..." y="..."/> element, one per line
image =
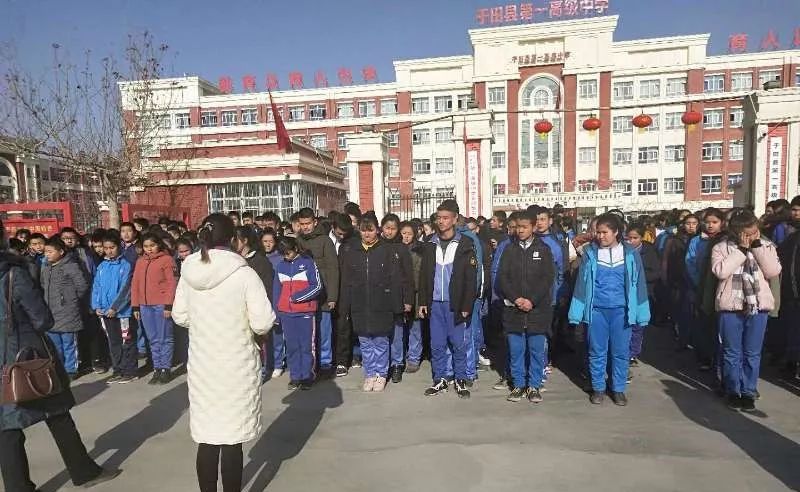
<point x="473" y="179"/>
<point x="774" y="169"/>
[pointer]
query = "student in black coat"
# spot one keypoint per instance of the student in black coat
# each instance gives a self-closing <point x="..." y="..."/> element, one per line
<point x="652" y="272"/>
<point x="526" y="278"/>
<point x="372" y="291"/>
<point x="248" y="245"/>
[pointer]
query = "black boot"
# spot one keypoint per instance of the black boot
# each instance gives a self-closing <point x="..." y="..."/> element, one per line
<point x="397" y="374"/>
<point x="156" y="379"/>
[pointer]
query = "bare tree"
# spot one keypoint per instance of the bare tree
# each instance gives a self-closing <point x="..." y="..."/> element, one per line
<point x="73" y="115"/>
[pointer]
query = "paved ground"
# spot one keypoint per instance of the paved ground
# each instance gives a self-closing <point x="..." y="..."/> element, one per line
<point x="674" y="436"/>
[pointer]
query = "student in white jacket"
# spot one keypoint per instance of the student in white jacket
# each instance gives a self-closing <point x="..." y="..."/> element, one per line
<point x="224" y="305"/>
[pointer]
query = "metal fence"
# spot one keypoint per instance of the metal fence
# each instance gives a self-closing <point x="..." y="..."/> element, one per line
<point x="416" y="205"/>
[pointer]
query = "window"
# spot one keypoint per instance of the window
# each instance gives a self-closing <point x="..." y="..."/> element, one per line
<point x="229" y="118"/>
<point x="541" y="98"/>
<point x="648" y="155"/>
<point x="654" y="127"/>
<point x="367" y="108"/>
<point x="250" y="116"/>
<point x="271" y="117"/>
<point x="714" y="83"/>
<point x="797" y="78"/>
<point x="499" y="189"/>
<point x="420" y="105"/>
<point x="394" y="168"/>
<point x="444" y="165"/>
<point x="317" y="111"/>
<point x="341" y="141"/>
<point x="498" y="160"/>
<point x="497" y="95"/>
<point x="163" y="121"/>
<point x="742" y="81"/>
<point x="537" y="188"/>
<point x="499" y="129"/>
<point x="319" y="141"/>
<point x="711" y="183"/>
<point x="712" y="151"/>
<point x="736" y="117"/>
<point x="388" y="106"/>
<point x="420" y="137"/>
<point x="587" y="155"/>
<point x="182" y="120"/>
<point x="676" y="87"/>
<point x="672" y="121"/>
<point x="208" y="118"/>
<point x="765" y="76"/>
<point x="622" y="157"/>
<point x="712" y="118"/>
<point x="623" y="186"/>
<point x="394" y="138"/>
<point x="673" y="186"/>
<point x="587" y="89"/>
<point x="647" y="187"/>
<point x="422" y="166"/>
<point x="344" y="110"/>
<point x="442" y="104"/>
<point x="736" y="150"/>
<point x="649" y="89"/>
<point x="734" y="179"/>
<point x="539" y="151"/>
<point x="282" y="197"/>
<point x="623" y="91"/>
<point x="622" y="124"/>
<point x="443" y="134"/>
<point x="674" y="153"/>
<point x="556" y="187"/>
<point x="297" y="113"/>
<point x="587" y="185"/>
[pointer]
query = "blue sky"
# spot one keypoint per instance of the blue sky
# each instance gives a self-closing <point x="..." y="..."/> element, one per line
<point x="239" y="37"/>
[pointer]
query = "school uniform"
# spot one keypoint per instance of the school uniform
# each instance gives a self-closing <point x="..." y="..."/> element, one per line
<point x="296" y="288"/>
<point x="276" y="342"/>
<point x="152" y="293"/>
<point x="610" y="297"/>
<point x="448" y="281"/>
<point x="112" y="290"/>
<point x="527" y="270"/>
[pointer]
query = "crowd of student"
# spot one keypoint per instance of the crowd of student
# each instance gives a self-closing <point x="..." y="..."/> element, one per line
<point x="512" y="291"/>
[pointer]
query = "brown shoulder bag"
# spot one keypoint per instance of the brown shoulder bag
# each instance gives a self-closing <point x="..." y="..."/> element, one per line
<point x="31" y="376"/>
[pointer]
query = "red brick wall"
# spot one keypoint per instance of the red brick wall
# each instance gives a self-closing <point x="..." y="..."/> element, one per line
<point x="193" y="196"/>
<point x="365" y="192"/>
<point x="604" y="172"/>
<point x="512" y="136"/>
<point x="694" y="141"/>
<point x="570" y="131"/>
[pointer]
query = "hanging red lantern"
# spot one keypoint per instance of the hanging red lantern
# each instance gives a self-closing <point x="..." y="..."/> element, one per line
<point x="592" y="124"/>
<point x="691" y="118"/>
<point x="543" y="127"/>
<point x="642" y="121"/>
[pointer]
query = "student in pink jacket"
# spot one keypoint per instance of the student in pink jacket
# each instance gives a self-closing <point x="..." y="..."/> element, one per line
<point x="743" y="263"/>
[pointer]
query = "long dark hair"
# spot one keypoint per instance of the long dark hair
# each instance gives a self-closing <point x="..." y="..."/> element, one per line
<point x="247" y="235"/>
<point x="216" y="230"/>
<point x="741" y="219"/>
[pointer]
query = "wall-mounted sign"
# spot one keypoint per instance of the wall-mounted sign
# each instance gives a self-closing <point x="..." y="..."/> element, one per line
<point x="540" y="59"/>
<point x="529" y="12"/>
<point x="740" y="42"/>
<point x="775" y="160"/>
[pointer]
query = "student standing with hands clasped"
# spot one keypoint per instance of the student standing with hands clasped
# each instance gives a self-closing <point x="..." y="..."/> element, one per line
<point x="743" y="263"/>
<point x="526" y="279"/>
<point x="152" y="295"/>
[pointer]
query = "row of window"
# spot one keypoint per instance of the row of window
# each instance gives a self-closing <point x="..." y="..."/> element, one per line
<point x="531" y="188"/>
<point x="712" y="119"/>
<point x="441" y="104"/>
<point x="624" y="90"/>
<point x="742" y="81"/>
<point x="444" y="165"/>
<point x="709" y="184"/>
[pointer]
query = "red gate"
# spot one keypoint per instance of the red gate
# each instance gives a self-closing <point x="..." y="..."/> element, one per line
<point x="44" y="217"/>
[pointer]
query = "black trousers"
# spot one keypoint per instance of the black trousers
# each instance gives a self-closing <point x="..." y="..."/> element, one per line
<point x="14" y="460"/>
<point x="228" y="459"/>
<point x="124" y="354"/>
<point x="343" y="333"/>
<point x="92" y="344"/>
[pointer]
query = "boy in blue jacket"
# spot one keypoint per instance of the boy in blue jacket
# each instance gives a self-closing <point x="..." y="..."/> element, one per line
<point x="111" y="302"/>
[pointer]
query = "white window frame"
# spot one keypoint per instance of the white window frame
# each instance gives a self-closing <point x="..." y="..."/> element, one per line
<point x="314" y="141"/>
<point x="388" y="106"/>
<point x="647" y="186"/>
<point x="229" y="117"/>
<point x="655" y="125"/>
<point x="622" y="156"/>
<point x="341" y="140"/>
<point x="647" y="155"/>
<point x="420" y="136"/>
<point x="442" y="104"/>
<point x="624" y="186"/>
<point x="496" y="96"/>
<point x="675" y="153"/>
<point x="499" y="189"/>
<point x="737" y="179"/>
<point x="649" y="89"/>
<point x="498" y="160"/>
<point x="444" y="165"/>
<point x="714" y="82"/>
<point x="739" y="154"/>
<point x="394" y="168"/>
<point x="349" y="110"/>
<point x="443" y="134"/>
<point x="297" y="112"/>
<point x="421" y="163"/>
<point x="249" y="116"/>
<point x="674" y="186"/>
<point x="736" y="117"/>
<point x="765" y="76"/>
<point x="742" y="81"/>
<point x="587" y="185"/>
<point x="499" y="129"/>
<point x="394" y="138"/>
<point x="587" y="156"/>
<point x="317" y="112"/>
<point x="712" y="151"/>
<point x="713" y="119"/>
<point x="623" y="90"/>
<point x="676" y="86"/>
<point x="707" y="182"/>
<point x="367" y="108"/>
<point x="622" y="124"/>
<point x="672" y="121"/>
<point x="209" y="119"/>
<point x="420" y="105"/>
<point x="555" y="187"/>
<point x="587" y="89"/>
<point x="183" y="120"/>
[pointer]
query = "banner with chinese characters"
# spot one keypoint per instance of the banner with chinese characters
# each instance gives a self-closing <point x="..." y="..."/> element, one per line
<point x="473" y="179"/>
<point x="775" y="164"/>
<point x="48" y="227"/>
<point x="538" y="12"/>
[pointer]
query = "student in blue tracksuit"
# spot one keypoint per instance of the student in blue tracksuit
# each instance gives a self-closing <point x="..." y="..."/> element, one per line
<point x="475" y="326"/>
<point x="111" y="302"/>
<point x="448" y="289"/>
<point x="297" y="287"/>
<point x="275" y="344"/>
<point x="610" y="297"/>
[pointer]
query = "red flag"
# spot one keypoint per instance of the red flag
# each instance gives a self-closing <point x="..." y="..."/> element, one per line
<point x="284" y="142"/>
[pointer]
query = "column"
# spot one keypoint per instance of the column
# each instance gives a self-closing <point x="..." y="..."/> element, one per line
<point x="367" y="163"/>
<point x="379" y="188"/>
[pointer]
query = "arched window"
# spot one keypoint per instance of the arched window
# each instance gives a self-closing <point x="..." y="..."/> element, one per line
<point x="540" y="93"/>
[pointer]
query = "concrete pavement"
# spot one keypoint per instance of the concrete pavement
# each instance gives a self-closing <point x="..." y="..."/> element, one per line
<point x="675" y="435"/>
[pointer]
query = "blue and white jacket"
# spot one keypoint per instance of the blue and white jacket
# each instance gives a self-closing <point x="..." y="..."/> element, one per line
<point x="112" y="287"/>
<point x="637" y="304"/>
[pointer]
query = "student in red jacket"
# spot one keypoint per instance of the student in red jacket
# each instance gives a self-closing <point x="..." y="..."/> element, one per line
<point x="152" y="294"/>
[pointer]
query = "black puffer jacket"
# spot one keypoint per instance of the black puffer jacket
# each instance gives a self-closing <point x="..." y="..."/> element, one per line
<point x="529" y="274"/>
<point x="324" y="253"/>
<point x="372" y="286"/>
<point x="65" y="290"/>
<point x="31" y="320"/>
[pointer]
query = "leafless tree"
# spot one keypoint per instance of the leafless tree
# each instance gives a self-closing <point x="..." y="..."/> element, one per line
<point x="73" y="116"/>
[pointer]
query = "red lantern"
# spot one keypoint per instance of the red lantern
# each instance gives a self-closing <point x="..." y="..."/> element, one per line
<point x="642" y="121"/>
<point x="691" y="118"/>
<point x="543" y="127"/>
<point x="592" y="124"/>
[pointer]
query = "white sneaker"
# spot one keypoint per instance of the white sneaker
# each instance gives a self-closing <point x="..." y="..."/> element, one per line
<point x="484" y="361"/>
<point x="380" y="384"/>
<point x="277" y="373"/>
<point x="369" y="384"/>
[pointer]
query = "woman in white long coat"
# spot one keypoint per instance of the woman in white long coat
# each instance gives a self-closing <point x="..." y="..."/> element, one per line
<point x="223" y="303"/>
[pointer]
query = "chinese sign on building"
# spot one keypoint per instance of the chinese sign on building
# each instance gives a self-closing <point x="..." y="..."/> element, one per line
<point x="775" y="159"/>
<point x="741" y="42"/>
<point x="543" y="59"/>
<point x="530" y="12"/>
<point x="369" y="74"/>
<point x="473" y="183"/>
